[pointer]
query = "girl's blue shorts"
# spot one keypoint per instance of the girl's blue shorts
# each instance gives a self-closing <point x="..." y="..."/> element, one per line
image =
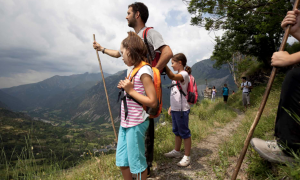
<point x="180" y="122"/>
<point x="131" y="148"/>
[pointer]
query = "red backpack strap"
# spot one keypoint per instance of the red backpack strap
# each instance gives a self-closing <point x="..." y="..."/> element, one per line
<point x="145" y="32"/>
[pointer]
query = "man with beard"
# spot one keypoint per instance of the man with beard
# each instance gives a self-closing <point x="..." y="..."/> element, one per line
<point x="137" y="16"/>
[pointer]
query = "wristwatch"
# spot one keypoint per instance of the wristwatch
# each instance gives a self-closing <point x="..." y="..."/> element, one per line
<point x="103" y="50"/>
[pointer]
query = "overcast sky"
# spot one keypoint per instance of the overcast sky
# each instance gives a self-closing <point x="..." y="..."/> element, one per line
<point x="40" y="39"/>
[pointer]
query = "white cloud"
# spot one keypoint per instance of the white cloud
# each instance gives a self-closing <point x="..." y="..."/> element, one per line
<point x="46" y="38"/>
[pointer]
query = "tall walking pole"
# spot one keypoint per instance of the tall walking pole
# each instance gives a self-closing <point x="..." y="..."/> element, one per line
<point x="262" y="104"/>
<point x="111" y="117"/>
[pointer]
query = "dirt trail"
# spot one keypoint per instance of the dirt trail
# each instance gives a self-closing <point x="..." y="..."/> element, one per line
<point x="203" y="157"/>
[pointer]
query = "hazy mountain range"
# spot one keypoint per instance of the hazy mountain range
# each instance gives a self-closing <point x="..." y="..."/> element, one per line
<point x="82" y="98"/>
<point x="204" y="70"/>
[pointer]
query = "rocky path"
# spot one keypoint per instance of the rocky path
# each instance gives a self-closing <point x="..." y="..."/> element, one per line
<point x="203" y="157"/>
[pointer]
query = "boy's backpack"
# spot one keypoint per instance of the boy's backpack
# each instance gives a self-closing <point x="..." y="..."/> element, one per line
<point x="153" y="112"/>
<point x="151" y="60"/>
<point x="192" y="92"/>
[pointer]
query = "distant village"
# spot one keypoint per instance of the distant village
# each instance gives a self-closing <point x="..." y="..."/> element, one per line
<point x="207" y="91"/>
<point x="105" y="149"/>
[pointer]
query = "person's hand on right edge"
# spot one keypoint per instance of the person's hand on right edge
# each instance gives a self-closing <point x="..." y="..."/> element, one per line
<point x="283" y="58"/>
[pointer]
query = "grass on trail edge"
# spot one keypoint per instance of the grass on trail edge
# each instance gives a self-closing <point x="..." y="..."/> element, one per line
<point x="204" y="117"/>
<point x="258" y="168"/>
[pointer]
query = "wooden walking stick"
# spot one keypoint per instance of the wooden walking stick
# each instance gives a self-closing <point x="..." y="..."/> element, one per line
<point x="111" y="117"/>
<point x="262" y="104"/>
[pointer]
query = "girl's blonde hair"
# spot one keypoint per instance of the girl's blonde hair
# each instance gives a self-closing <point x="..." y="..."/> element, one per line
<point x="137" y="49"/>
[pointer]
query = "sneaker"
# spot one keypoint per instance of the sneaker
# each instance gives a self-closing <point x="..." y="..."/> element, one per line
<point x="270" y="151"/>
<point x="173" y="153"/>
<point x="185" y="161"/>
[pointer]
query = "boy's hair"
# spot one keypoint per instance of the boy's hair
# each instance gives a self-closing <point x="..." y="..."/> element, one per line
<point x="142" y="8"/>
<point x="180" y="57"/>
<point x="188" y="69"/>
<point x="225" y="85"/>
<point x="137" y="50"/>
<point x="244" y="78"/>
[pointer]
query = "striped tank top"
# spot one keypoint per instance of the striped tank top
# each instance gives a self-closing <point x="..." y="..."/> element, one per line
<point x="136" y="113"/>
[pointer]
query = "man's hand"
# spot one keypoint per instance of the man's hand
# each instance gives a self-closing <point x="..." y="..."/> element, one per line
<point x="282" y="59"/>
<point x="97" y="46"/>
<point x="292" y="18"/>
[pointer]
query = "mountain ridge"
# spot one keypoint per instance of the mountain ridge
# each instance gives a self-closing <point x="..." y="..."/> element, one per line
<point x="86" y="102"/>
<point x="36" y="95"/>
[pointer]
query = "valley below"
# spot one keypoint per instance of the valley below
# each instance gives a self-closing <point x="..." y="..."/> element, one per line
<point x="65" y="118"/>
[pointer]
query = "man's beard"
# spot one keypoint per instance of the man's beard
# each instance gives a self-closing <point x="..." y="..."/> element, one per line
<point x="132" y="23"/>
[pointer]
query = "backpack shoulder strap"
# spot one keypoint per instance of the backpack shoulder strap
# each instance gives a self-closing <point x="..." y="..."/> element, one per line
<point x="145" y="33"/>
<point x="180" y="88"/>
<point x="193" y="80"/>
<point x="136" y="69"/>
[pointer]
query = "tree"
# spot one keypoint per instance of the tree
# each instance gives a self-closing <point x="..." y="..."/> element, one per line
<point x="252" y="27"/>
<point x="224" y="53"/>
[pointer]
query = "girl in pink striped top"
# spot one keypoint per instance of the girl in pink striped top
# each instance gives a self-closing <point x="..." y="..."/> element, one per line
<point x="130" y="156"/>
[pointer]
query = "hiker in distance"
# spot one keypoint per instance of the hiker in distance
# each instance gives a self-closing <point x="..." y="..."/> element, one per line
<point x="137" y="16"/>
<point x="225" y="91"/>
<point x="130" y="155"/>
<point x="180" y="109"/>
<point x="246" y="86"/>
<point x="213" y="93"/>
<point x="287" y="126"/>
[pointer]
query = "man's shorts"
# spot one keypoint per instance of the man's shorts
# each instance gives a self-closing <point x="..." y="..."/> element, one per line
<point x="131" y="148"/>
<point x="225" y="98"/>
<point x="180" y="121"/>
<point x="246" y="99"/>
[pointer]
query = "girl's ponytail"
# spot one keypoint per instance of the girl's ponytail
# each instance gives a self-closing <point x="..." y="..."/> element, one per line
<point x="188" y="69"/>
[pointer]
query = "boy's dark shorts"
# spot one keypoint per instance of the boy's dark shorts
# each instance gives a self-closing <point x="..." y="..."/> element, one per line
<point x="225" y="98"/>
<point x="181" y="123"/>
